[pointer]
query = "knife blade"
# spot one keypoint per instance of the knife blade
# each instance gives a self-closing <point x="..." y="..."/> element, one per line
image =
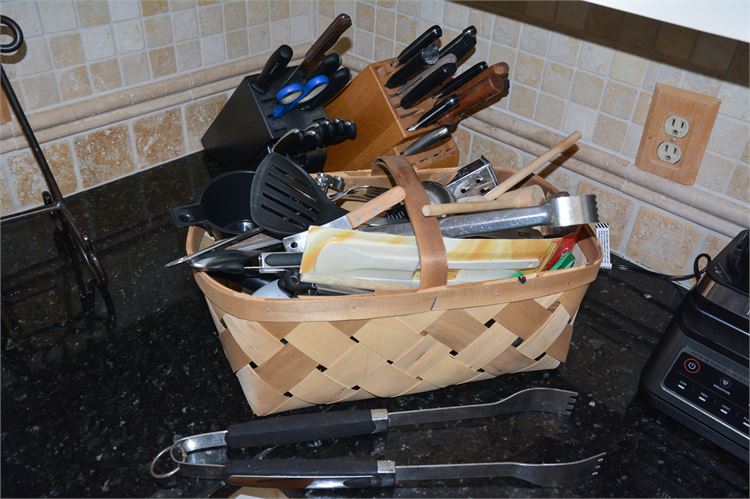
<point x="430" y="35"/>
<point x="437" y="111"/>
<point x="469" y="32"/>
<point x="426" y="57"/>
<point x="485" y="86"/>
<point x="459" y="81"/>
<point x="275" y="64"/>
<point x="428" y="84"/>
<point x="429" y="139"/>
<point x="325" y="41"/>
<point x="336" y="83"/>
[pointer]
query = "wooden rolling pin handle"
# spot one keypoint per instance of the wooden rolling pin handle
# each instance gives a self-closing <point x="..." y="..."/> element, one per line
<point x="521" y="198"/>
<point x="376" y="205"/>
<point x="532" y="167"/>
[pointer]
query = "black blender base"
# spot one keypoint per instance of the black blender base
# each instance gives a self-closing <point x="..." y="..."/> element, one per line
<point x="693" y="424"/>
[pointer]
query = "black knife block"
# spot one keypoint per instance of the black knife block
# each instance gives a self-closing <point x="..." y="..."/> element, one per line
<point x="240" y="135"/>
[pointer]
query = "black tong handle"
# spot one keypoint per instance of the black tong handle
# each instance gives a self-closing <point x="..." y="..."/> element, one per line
<point x="301" y="428"/>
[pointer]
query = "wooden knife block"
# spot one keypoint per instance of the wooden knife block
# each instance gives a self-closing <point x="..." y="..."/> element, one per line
<point x="381" y="125"/>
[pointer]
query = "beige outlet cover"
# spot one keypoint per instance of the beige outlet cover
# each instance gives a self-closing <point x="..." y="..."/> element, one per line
<point x="700" y="111"/>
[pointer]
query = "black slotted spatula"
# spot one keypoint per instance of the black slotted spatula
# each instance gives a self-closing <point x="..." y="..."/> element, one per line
<point x="285" y="200"/>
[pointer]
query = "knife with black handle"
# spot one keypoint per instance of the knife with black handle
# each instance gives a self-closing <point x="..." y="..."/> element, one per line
<point x="430" y="35"/>
<point x="490" y="83"/>
<point x="470" y="32"/>
<point x="428" y="140"/>
<point x="437" y="111"/>
<point x="275" y="64"/>
<point x="405" y="89"/>
<point x="464" y="43"/>
<point x="427" y="56"/>
<point x="428" y="84"/>
<point x="336" y="83"/>
<point x="462" y="79"/>
<point x="325" y="41"/>
<point x="330" y="63"/>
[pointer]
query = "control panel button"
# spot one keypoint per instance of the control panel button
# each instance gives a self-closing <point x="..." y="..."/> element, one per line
<point x="725" y="382"/>
<point x="692" y="366"/>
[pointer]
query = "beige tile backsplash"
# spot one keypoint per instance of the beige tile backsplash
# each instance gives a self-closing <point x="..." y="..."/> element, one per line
<point x="574" y="66"/>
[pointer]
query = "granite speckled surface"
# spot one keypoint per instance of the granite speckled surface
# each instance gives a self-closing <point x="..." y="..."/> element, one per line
<point x="90" y="396"/>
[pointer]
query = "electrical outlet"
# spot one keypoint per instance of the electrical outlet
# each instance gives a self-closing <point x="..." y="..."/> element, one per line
<point x="676" y="133"/>
<point x="676" y="127"/>
<point x="669" y="153"/>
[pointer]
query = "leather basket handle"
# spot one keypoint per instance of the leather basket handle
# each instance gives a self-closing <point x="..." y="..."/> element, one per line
<point x="432" y="255"/>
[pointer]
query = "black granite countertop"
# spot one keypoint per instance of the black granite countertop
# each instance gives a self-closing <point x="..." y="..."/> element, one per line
<point x="91" y="393"/>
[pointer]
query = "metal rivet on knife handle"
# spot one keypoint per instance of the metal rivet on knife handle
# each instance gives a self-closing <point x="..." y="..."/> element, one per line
<point x="532" y="167"/>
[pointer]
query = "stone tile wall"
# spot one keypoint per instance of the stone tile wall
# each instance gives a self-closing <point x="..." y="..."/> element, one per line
<point x="82" y="54"/>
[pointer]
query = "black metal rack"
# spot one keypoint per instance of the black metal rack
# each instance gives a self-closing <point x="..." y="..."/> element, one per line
<point x="54" y="201"/>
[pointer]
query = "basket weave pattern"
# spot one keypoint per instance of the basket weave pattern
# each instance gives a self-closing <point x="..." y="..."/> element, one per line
<point x="284" y="366"/>
<point x="292" y="353"/>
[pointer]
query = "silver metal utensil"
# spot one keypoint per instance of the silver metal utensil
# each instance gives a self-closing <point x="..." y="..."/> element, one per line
<point x="557" y="212"/>
<point x="221" y="243"/>
<point x="349" y="473"/>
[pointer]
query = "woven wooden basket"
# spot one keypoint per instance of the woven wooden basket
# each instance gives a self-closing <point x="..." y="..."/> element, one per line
<point x="292" y="353"/>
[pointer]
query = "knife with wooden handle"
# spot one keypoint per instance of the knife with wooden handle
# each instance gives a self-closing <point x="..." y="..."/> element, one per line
<point x="488" y="84"/>
<point x="325" y="41"/>
<point x="520" y="198"/>
<point x="527" y="170"/>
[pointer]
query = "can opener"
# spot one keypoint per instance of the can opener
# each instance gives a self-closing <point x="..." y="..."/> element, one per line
<point x="358" y="473"/>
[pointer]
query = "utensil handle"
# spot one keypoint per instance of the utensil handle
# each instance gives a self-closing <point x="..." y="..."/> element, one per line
<point x="335" y="473"/>
<point x="430" y="35"/>
<point x="532" y="167"/>
<point x="183" y="216"/>
<point x="274" y="65"/>
<point x="488" y="84"/>
<point x="326" y="40"/>
<point x="376" y="205"/>
<point x="521" y="198"/>
<point x="301" y="428"/>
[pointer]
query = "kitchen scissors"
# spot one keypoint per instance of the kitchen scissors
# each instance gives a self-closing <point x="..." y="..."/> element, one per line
<point x="296" y="93"/>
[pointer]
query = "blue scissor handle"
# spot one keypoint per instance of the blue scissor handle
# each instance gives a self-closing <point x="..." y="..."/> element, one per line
<point x="293" y="94"/>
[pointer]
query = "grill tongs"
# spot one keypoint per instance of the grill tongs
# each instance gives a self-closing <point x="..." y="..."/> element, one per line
<point x="352" y="473"/>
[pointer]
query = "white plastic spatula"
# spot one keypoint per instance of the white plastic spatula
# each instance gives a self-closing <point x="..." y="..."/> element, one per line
<point x="382" y="261"/>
